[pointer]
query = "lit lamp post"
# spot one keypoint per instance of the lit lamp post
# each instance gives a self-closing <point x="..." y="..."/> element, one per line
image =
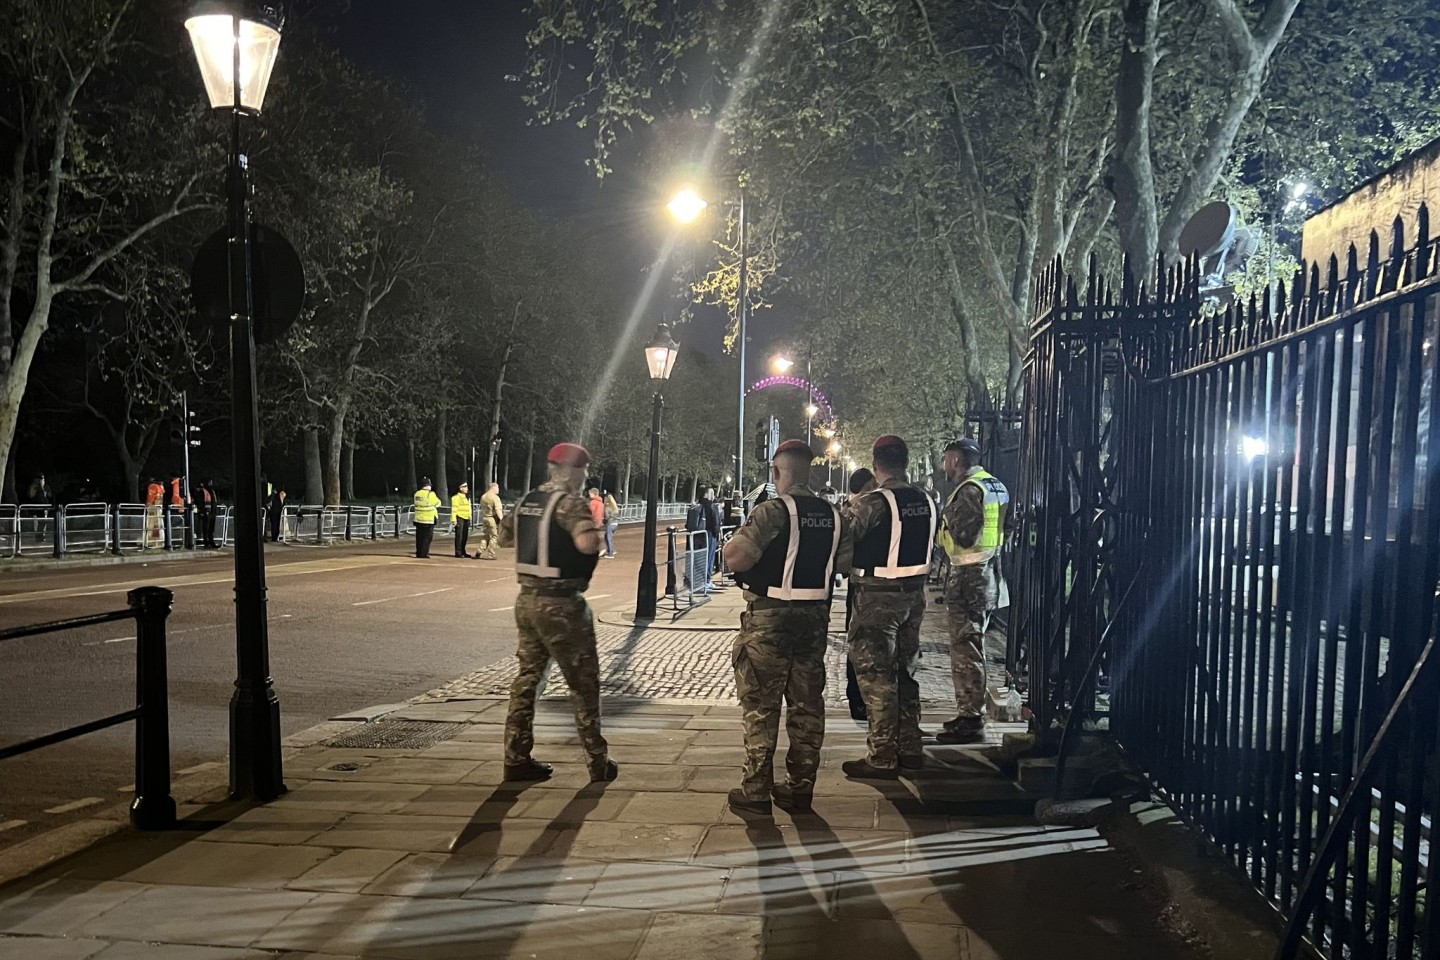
<point x="236" y="45"/>
<point x="686" y="206"/>
<point x="783" y="365"/>
<point x="660" y="355"/>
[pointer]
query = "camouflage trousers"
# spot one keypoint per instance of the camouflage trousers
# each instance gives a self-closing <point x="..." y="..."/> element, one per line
<point x="556" y="629"/>
<point x="487" y="534"/>
<point x="780" y="655"/>
<point x="965" y="614"/>
<point x="885" y="647"/>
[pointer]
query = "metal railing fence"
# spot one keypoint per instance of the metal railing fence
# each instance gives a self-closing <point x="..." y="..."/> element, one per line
<point x="1231" y="524"/>
<point x="153" y="808"/>
<point x="30" y="530"/>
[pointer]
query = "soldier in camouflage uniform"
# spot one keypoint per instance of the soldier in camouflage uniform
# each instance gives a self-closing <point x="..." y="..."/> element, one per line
<point x="556" y="545"/>
<point x="972" y="529"/>
<point x="891" y="562"/>
<point x="780" y="652"/>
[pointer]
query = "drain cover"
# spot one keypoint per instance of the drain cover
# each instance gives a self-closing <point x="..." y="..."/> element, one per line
<point x="397" y="735"/>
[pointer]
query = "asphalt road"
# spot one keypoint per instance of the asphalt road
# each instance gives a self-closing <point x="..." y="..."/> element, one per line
<point x="350" y="626"/>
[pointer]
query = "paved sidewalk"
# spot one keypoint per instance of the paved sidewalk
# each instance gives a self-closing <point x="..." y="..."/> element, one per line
<point x="398" y="840"/>
<point x="418" y="851"/>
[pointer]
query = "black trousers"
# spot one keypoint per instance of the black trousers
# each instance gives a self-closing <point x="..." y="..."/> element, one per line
<point x="206" y="517"/>
<point x="424" y="533"/>
<point x="462" y="535"/>
<point x="275" y="519"/>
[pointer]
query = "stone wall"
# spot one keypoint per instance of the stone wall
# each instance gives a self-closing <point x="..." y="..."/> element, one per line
<point x="1374" y="205"/>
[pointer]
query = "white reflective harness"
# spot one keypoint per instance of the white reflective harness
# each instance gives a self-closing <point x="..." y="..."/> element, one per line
<point x="541" y="567"/>
<point x="787" y="589"/>
<point x="892" y="569"/>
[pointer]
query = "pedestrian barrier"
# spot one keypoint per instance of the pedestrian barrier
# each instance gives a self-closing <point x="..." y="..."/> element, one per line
<point x="687" y="567"/>
<point x="45" y="530"/>
<point x="37" y="528"/>
<point x="726" y="532"/>
<point x="153" y="808"/>
<point x="85" y="527"/>
<point x="9" y="529"/>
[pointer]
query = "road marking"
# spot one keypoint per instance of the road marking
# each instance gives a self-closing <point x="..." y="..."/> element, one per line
<point x="195" y="580"/>
<point x="75" y="805"/>
<point x="500" y="609"/>
<point x="11" y="824"/>
<point x="496" y="580"/>
<point x="119" y="639"/>
<point x="597" y="596"/>
<point x="408" y="596"/>
<point x="168" y="634"/>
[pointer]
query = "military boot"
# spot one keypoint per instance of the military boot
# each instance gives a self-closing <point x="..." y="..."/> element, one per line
<point x="965" y="730"/>
<point x="529" y="770"/>
<point x="795" y="801"/>
<point x="865" y="770"/>
<point x="747" y="806"/>
<point x="604" y="771"/>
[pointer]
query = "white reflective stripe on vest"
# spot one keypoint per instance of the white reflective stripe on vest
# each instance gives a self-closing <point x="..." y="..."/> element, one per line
<point x="891" y="570"/>
<point x="541" y="567"/>
<point x="787" y="589"/>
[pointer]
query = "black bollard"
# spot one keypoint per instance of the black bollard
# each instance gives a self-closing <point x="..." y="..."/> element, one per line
<point x="153" y="807"/>
<point x="115" y="529"/>
<point x="670" y="562"/>
<point x="57" y="549"/>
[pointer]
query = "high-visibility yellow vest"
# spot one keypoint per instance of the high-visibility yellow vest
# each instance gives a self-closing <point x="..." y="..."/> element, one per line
<point x="460" y="507"/>
<point x="992" y="532"/>
<point x="427" y="506"/>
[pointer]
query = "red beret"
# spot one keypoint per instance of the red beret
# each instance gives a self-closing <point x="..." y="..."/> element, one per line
<point x="569" y="455"/>
<point x="795" y="446"/>
<point x="890" y="440"/>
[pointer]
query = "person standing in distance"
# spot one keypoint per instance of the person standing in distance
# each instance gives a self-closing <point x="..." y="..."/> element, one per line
<point x="785" y="557"/>
<point x="557" y="545"/>
<point x="972" y="532"/>
<point x="894" y="530"/>
<point x="492" y="511"/>
<point x="612" y="520"/>
<point x="427" y="511"/>
<point x="861" y="481"/>
<point x="460" y="513"/>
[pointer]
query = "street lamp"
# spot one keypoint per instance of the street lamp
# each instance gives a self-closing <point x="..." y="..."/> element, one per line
<point x="660" y="355"/>
<point x="783" y="364"/>
<point x="686" y="206"/>
<point x="235" y="46"/>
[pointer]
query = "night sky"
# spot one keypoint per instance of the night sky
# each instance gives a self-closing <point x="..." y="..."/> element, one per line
<point x="455" y="55"/>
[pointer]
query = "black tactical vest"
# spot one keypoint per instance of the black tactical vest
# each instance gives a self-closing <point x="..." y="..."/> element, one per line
<point x="799" y="564"/>
<point x="900" y="544"/>
<point x="543" y="548"/>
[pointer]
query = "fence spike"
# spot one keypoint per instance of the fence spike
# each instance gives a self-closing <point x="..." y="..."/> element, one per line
<point x="1423" y="267"/>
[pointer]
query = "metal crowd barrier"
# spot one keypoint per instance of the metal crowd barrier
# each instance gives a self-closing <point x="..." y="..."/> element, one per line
<point x="687" y="570"/>
<point x="153" y="808"/>
<point x="9" y="529"/>
<point x="42" y="529"/>
<point x="85" y="527"/>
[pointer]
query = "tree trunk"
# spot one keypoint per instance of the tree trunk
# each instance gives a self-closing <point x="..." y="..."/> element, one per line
<point x="1132" y="172"/>
<point x="495" y="407"/>
<point x="347" y="471"/>
<point x="530" y="462"/>
<point x="505" y="467"/>
<point x="17" y="374"/>
<point x="442" y="474"/>
<point x="694" y="489"/>
<point x="412" y="483"/>
<point x="314" y="485"/>
<point x="334" y="452"/>
<point x="625" y="487"/>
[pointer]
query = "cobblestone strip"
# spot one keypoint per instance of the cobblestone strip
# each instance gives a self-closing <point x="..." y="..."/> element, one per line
<point x="686" y="666"/>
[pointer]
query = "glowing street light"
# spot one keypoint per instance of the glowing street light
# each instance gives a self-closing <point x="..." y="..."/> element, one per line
<point x="215" y="29"/>
<point x="687" y="205"/>
<point x="660" y="354"/>
<point x="1253" y="448"/>
<point x="781" y="364"/>
<point x="811" y="410"/>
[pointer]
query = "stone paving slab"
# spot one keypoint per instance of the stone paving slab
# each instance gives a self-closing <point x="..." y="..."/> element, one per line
<point x="403" y="854"/>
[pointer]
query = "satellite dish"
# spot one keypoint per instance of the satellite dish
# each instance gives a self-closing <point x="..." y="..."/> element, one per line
<point x="1210" y="230"/>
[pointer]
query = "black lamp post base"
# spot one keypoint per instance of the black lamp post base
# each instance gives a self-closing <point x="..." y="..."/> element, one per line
<point x="255" y="769"/>
<point x="645" y="592"/>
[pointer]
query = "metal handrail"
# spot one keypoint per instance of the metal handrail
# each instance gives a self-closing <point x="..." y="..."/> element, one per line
<point x="153" y="808"/>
